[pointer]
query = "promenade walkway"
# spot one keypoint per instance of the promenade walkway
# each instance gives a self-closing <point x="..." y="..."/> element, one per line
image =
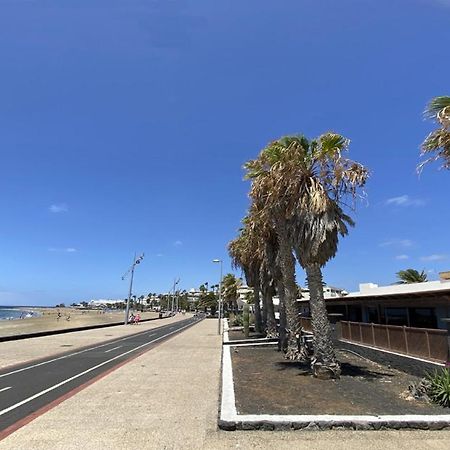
<point x="168" y="399"/>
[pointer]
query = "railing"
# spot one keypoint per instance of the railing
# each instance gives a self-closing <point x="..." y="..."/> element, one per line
<point x="424" y="343"/>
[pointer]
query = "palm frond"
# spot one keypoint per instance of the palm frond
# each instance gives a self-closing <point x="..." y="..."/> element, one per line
<point x="435" y="106"/>
<point x="436" y="146"/>
<point x="409" y="276"/>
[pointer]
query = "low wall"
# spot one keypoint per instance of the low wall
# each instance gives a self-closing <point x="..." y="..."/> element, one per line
<point x="404" y="363"/>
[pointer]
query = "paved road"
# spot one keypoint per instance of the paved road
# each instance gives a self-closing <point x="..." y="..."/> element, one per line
<point x="29" y="387"/>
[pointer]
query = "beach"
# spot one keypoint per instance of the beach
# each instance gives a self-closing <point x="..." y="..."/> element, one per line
<point x="47" y="320"/>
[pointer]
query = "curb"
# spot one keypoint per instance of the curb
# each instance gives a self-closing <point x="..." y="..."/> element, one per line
<point x="319" y="423"/>
<point x="231" y="420"/>
<point x="252" y="341"/>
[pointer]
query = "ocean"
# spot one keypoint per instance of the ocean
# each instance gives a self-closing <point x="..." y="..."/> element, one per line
<point x="11" y="313"/>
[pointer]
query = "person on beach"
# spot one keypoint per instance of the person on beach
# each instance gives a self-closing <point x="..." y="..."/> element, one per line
<point x="131" y="319"/>
<point x="137" y="318"/>
<point x="58" y="316"/>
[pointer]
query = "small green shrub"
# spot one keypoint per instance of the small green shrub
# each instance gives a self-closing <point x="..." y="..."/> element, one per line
<point x="439" y="388"/>
<point x="236" y="320"/>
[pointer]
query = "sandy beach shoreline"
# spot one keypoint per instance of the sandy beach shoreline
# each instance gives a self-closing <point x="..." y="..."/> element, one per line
<point x="47" y="320"/>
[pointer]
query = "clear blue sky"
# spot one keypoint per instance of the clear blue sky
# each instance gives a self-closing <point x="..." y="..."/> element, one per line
<point x="124" y="125"/>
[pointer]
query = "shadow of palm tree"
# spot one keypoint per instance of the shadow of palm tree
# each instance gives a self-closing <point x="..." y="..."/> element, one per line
<point x="347" y="370"/>
<point x="354" y="370"/>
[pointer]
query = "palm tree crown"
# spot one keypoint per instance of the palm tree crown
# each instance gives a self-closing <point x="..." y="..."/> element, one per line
<point x="437" y="143"/>
<point x="411" y="276"/>
<point x="309" y="183"/>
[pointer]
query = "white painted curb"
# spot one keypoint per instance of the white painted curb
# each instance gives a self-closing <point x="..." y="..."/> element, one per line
<point x="226" y="337"/>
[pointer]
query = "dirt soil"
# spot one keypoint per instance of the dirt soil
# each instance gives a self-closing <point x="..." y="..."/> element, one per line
<point x="261" y="377"/>
<point x="236" y="335"/>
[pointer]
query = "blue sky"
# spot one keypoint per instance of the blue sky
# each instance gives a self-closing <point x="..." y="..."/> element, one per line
<point x="124" y="125"/>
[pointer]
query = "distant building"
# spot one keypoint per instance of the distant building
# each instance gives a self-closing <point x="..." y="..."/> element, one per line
<point x="193" y="295"/>
<point x="243" y="293"/>
<point x="329" y="292"/>
<point x="103" y="303"/>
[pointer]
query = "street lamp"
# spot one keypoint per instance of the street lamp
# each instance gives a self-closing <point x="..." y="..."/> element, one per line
<point x="175" y="282"/>
<point x="136" y="261"/>
<point x="220" y="293"/>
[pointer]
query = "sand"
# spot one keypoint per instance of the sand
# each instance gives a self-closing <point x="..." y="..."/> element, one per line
<point x="70" y="318"/>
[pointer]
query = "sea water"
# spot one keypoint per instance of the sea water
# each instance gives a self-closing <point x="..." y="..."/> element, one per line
<point x="9" y="313"/>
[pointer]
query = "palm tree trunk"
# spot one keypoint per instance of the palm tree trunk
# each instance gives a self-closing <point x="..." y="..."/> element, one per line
<point x="282" y="336"/>
<point x="235" y="306"/>
<point x="256" y="290"/>
<point x="271" y="325"/>
<point x="264" y="288"/>
<point x="287" y="266"/>
<point x="324" y="363"/>
<point x="265" y="284"/>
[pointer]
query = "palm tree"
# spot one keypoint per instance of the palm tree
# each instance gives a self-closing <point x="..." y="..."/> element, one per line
<point x="268" y="291"/>
<point x="409" y="276"/>
<point x="207" y="299"/>
<point x="243" y="252"/>
<point x="269" y="274"/>
<point x="437" y="142"/>
<point x="274" y="209"/>
<point x="230" y="286"/>
<point x="304" y="185"/>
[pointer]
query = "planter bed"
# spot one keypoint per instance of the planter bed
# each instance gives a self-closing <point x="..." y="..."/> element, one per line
<point x="264" y="383"/>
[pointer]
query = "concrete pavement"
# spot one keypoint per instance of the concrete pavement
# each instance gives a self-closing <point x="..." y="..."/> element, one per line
<point x="168" y="399"/>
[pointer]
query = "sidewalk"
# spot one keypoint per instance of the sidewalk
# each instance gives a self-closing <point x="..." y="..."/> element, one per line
<point x="168" y="399"/>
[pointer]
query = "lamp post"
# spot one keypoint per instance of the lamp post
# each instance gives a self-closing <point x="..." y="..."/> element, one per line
<point x="220" y="293"/>
<point x="136" y="261"/>
<point x="175" y="282"/>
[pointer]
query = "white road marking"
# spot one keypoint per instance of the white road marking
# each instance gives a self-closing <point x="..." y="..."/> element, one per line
<point x="72" y="354"/>
<point x="5" y="389"/>
<point x="115" y="348"/>
<point x="68" y="380"/>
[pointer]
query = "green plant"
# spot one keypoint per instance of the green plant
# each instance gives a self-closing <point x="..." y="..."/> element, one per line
<point x="236" y="320"/>
<point x="439" y="389"/>
<point x="246" y="320"/>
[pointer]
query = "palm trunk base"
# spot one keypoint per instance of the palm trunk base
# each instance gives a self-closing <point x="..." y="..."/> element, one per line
<point x="325" y="371"/>
<point x="282" y="342"/>
<point x="296" y="352"/>
<point x="271" y="332"/>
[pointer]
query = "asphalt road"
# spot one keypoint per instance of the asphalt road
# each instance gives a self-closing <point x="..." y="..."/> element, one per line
<point x="29" y="387"/>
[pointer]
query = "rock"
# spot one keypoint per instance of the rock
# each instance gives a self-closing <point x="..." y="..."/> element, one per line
<point x="362" y="426"/>
<point x="267" y="426"/>
<point x="312" y="426"/>
<point x="226" y="425"/>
